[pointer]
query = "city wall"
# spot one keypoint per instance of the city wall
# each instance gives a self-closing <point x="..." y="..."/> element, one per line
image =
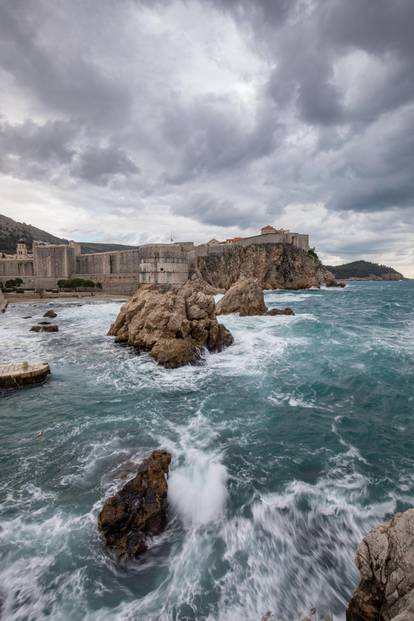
<point x="121" y="271"/>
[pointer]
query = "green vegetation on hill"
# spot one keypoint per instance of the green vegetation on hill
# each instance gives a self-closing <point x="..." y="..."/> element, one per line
<point x="11" y="231"/>
<point x="364" y="269"/>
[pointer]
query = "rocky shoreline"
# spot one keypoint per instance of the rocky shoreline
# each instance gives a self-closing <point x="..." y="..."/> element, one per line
<point x="385" y="558"/>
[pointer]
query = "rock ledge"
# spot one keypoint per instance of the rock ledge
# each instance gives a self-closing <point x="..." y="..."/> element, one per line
<point x="385" y="559"/>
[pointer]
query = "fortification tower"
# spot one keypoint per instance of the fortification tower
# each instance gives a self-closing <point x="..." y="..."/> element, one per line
<point x="21" y="249"/>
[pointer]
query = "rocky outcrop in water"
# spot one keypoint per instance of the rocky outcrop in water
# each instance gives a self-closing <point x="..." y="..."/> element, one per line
<point x="173" y="324"/>
<point x="274" y="266"/>
<point x="334" y="283"/>
<point x="280" y="311"/>
<point x="244" y="297"/>
<point x="50" y="313"/>
<point x="44" y="327"/>
<point x="139" y="510"/>
<point x="385" y="559"/>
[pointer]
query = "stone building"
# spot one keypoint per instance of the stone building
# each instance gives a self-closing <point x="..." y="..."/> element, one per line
<point x="122" y="271"/>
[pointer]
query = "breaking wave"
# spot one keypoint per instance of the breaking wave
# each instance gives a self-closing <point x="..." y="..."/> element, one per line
<point x="287" y="447"/>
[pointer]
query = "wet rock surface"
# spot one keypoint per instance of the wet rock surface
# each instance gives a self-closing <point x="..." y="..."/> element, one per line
<point x="50" y="313"/>
<point x="385" y="559"/>
<point x="280" y="311"/>
<point x="173" y="324"/>
<point x="334" y="283"/>
<point x="139" y="510"/>
<point x="244" y="297"/>
<point x="44" y="327"/>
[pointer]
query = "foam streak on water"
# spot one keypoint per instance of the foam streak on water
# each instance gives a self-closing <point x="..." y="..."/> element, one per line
<point x="287" y="448"/>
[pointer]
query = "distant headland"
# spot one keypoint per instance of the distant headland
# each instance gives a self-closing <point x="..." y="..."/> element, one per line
<point x="364" y="270"/>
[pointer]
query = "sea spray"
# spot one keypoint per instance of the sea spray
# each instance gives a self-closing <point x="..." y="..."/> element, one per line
<point x="197" y="490"/>
<point x="302" y="431"/>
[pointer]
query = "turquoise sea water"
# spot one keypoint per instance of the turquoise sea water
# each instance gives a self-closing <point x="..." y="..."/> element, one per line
<point x="287" y="448"/>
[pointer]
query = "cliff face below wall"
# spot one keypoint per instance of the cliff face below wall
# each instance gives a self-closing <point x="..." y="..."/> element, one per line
<point x="274" y="265"/>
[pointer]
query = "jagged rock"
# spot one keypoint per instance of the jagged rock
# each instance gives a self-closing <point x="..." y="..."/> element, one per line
<point x="275" y="266"/>
<point x="139" y="509"/>
<point x="335" y="284"/>
<point x="385" y="559"/>
<point x="280" y="311"/>
<point x="202" y="285"/>
<point x="49" y="327"/>
<point x="244" y="297"/>
<point x="50" y="313"/>
<point x="173" y="324"/>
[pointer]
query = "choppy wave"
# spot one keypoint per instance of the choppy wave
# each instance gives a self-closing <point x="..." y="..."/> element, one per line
<point x="287" y="447"/>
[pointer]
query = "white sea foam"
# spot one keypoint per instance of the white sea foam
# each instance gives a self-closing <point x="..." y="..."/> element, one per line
<point x="197" y="490"/>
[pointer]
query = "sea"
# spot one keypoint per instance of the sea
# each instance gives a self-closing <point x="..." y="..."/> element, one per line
<point x="287" y="448"/>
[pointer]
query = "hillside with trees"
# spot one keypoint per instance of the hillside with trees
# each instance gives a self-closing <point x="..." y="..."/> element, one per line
<point x="364" y="270"/>
<point x="11" y="231"/>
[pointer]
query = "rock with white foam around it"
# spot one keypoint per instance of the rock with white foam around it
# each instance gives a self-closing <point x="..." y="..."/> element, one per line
<point x="244" y="297"/>
<point x="174" y="324"/>
<point x="139" y="510"/>
<point x="385" y="559"/>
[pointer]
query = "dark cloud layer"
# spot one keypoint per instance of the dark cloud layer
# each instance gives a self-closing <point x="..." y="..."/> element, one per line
<point x="133" y="97"/>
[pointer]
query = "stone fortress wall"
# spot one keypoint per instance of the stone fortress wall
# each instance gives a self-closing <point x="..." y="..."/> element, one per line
<point x="121" y="271"/>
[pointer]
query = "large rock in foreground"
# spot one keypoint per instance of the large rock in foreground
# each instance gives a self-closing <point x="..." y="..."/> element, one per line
<point x="385" y="559"/>
<point x="139" y="509"/>
<point x="173" y="324"/>
<point x="244" y="297"/>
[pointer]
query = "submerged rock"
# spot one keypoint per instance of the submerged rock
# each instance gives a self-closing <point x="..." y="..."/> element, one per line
<point x="50" y="313"/>
<point x="280" y="311"/>
<point x="173" y="324"/>
<point x="139" y="509"/>
<point x="49" y="327"/>
<point x="244" y="297"/>
<point x="385" y="559"/>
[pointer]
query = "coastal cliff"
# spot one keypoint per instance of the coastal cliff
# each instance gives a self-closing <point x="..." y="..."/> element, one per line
<point x="275" y="266"/>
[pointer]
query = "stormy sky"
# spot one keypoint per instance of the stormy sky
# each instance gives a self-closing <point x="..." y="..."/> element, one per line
<point x="131" y="121"/>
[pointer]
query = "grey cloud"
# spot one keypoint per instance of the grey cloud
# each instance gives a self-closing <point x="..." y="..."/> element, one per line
<point x="209" y="209"/>
<point x="46" y="142"/>
<point x="30" y="150"/>
<point x="60" y="73"/>
<point x="99" y="164"/>
<point x="301" y="137"/>
<point x="211" y="138"/>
